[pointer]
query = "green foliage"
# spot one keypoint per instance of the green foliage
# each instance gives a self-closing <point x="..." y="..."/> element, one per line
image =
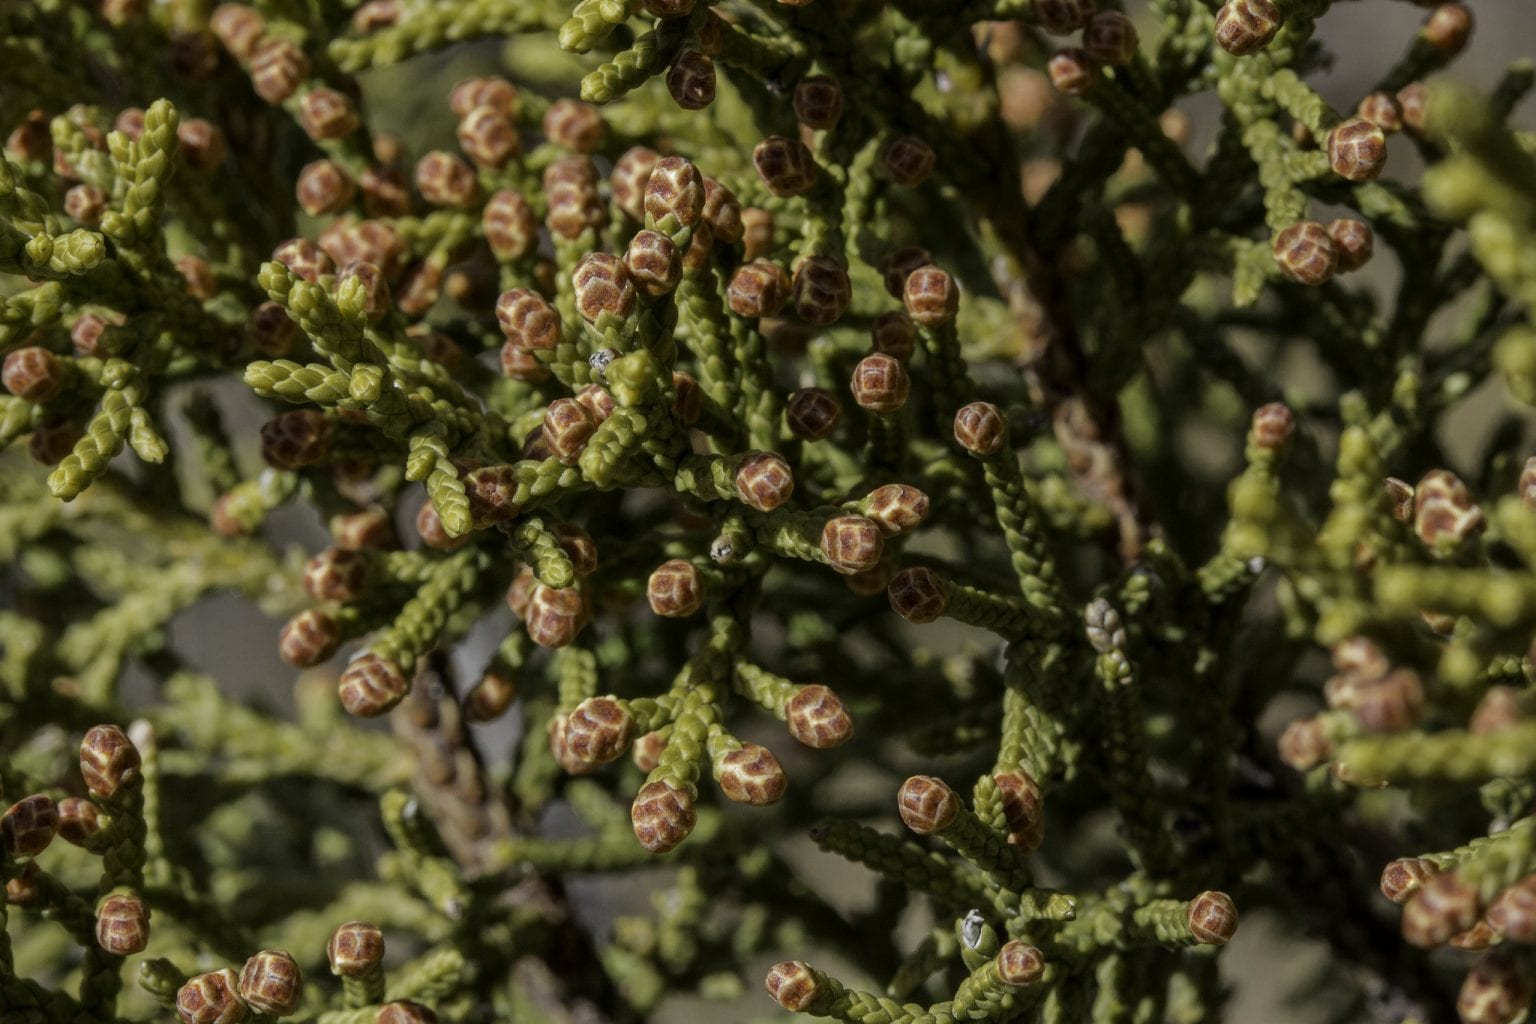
<point x="879" y="345"/>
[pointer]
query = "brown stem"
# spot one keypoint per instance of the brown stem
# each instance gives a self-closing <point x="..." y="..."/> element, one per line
<point x="449" y="778"/>
<point x="1086" y="425"/>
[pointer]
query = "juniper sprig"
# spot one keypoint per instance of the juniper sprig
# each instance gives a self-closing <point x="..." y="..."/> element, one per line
<point x="688" y="425"/>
